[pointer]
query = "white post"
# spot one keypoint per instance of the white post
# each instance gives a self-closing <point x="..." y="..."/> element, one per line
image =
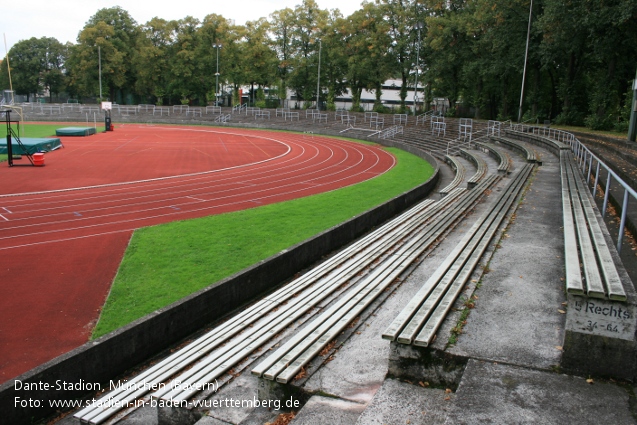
<point x="318" y="81"/>
<point x="526" y="56"/>
<point x="99" y="56"/>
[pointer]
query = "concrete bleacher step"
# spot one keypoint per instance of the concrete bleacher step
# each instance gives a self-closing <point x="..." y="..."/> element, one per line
<point x="515" y="394"/>
<point x="287" y="361"/>
<point x="421" y="318"/>
<point x="341" y="266"/>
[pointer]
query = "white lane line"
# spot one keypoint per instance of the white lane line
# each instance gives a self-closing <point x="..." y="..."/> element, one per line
<point x="7" y="210"/>
<point x="4" y="217"/>
<point x="196" y="199"/>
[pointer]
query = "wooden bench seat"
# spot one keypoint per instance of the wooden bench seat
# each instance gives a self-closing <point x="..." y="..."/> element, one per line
<point x="285" y="363"/>
<point x="459" y="178"/>
<point x="504" y="164"/>
<point x="590" y="269"/>
<point x="529" y="154"/>
<point x="419" y="321"/>
<point x="213" y="354"/>
<point x="481" y="167"/>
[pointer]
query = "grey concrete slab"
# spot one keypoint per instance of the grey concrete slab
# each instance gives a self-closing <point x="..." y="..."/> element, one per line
<point x="401" y="403"/>
<point x="325" y="410"/>
<point x="500" y="394"/>
<point x="358" y="368"/>
<point x="207" y="420"/>
<point x="516" y="318"/>
<point x="236" y="400"/>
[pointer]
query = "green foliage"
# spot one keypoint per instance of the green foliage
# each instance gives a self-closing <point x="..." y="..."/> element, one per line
<point x="580" y="62"/>
<point x="595" y="122"/>
<point x="36" y="64"/>
<point x="166" y="263"/>
<point x="381" y="109"/>
<point x="570" y="116"/>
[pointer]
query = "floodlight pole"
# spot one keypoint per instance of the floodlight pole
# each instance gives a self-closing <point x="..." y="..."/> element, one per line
<point x="9" y="70"/>
<point x="632" y="125"/>
<point x="318" y="82"/>
<point x="526" y="57"/>
<point x="217" y="46"/>
<point x="418" y="26"/>
<point x="99" y="56"/>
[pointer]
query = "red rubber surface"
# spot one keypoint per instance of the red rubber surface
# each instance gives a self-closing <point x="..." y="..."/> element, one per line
<point x="64" y="227"/>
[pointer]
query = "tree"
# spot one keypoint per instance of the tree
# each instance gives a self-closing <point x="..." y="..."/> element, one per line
<point x="401" y="16"/>
<point x="259" y="58"/>
<point x="333" y="58"/>
<point x="304" y="49"/>
<point x="281" y="25"/>
<point x="215" y="30"/>
<point x="95" y="49"/>
<point x="366" y="37"/>
<point x="37" y="65"/>
<point x="112" y="34"/>
<point x="152" y="58"/>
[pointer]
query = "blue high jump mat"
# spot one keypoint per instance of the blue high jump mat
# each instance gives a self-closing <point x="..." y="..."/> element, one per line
<point x="32" y="145"/>
<point x="75" y="131"/>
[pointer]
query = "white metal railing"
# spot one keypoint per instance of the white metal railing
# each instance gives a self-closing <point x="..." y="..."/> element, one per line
<point x="493" y="128"/>
<point x="282" y="111"/>
<point x="391" y="132"/>
<point x="146" y="107"/>
<point x="423" y="118"/>
<point x="400" y="118"/>
<point x="588" y="162"/>
<point x="436" y="119"/>
<point x="50" y="108"/>
<point x="239" y="107"/>
<point x="462" y="141"/>
<point x="311" y="112"/>
<point x="161" y="110"/>
<point x="180" y="109"/>
<point x="340" y="113"/>
<point x="320" y="117"/>
<point x="194" y="112"/>
<point x="223" y="118"/>
<point x="439" y="126"/>
<point x="213" y="109"/>
<point x="377" y="122"/>
<point x="127" y="110"/>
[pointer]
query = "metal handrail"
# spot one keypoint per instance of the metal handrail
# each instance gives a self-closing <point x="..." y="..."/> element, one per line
<point x="587" y="160"/>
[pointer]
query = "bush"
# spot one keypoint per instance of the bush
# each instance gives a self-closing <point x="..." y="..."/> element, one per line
<point x="621" y="127"/>
<point x="570" y="117"/>
<point x="381" y="109"/>
<point x="595" y="122"/>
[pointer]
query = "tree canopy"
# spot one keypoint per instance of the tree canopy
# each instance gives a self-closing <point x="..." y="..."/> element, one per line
<point x="471" y="52"/>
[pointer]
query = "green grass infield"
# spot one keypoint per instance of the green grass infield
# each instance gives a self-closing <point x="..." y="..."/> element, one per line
<point x="168" y="262"/>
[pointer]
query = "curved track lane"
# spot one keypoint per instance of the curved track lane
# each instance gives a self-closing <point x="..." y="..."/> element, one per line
<point x="64" y="227"/>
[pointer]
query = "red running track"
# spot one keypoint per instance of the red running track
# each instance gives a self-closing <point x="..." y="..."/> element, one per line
<point x="64" y="227"/>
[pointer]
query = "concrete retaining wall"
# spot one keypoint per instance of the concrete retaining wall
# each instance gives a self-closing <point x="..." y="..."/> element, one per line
<point x="111" y="356"/>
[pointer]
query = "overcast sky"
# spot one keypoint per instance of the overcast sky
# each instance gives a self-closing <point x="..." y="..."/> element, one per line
<point x="64" y="19"/>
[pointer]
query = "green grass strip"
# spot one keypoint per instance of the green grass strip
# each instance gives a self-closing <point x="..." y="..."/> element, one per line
<point x="168" y="262"/>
